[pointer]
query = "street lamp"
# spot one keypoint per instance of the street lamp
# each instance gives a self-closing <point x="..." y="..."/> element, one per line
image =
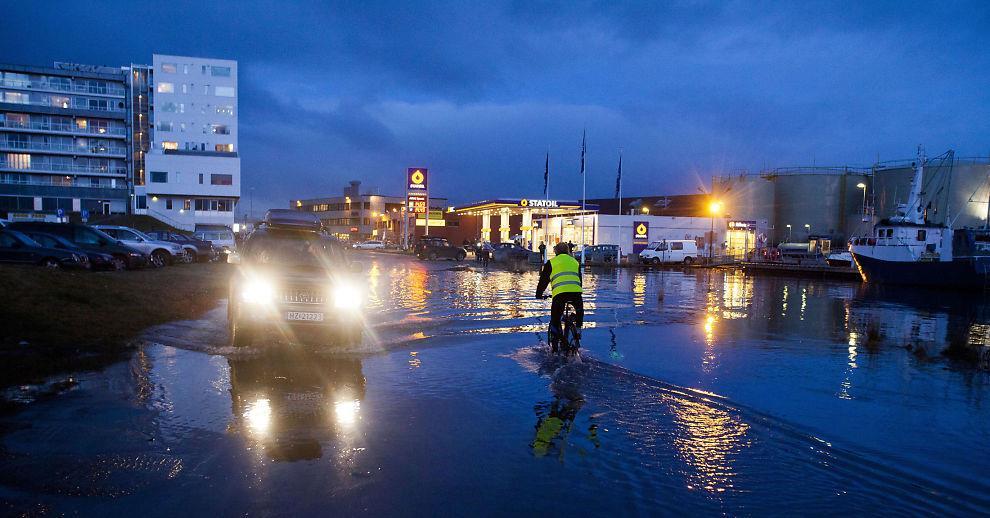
<point x="862" y="185"/>
<point x="646" y="210"/>
<point x="715" y="207"/>
<point x="807" y="228"/>
<point x="788" y="233"/>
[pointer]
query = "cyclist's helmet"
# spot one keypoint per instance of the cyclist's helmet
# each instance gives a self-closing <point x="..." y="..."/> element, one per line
<point x="561" y="248"/>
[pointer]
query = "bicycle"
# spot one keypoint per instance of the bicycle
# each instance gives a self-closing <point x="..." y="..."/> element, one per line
<point x="570" y="342"/>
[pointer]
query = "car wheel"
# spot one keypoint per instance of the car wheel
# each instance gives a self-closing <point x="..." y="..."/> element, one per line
<point x="688" y="260"/>
<point x="159" y="258"/>
<point x="461" y="256"/>
<point x="240" y="335"/>
<point x="118" y="263"/>
<point x="655" y="261"/>
<point x="49" y="264"/>
<point x="192" y="256"/>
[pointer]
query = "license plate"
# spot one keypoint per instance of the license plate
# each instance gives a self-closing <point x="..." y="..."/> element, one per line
<point x="304" y="316"/>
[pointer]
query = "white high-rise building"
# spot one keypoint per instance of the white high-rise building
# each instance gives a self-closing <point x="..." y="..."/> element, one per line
<point x="192" y="173"/>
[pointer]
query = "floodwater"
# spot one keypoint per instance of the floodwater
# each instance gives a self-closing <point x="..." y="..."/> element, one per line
<point x="698" y="392"/>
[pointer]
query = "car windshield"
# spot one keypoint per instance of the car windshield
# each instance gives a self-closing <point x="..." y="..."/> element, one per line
<point x="92" y="236"/>
<point x="51" y="241"/>
<point x="138" y="233"/>
<point x="292" y="248"/>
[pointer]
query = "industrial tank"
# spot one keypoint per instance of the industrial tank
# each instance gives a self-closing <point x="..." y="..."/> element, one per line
<point x="959" y="198"/>
<point x="817" y="202"/>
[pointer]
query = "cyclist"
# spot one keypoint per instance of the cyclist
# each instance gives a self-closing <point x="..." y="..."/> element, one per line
<point x="563" y="275"/>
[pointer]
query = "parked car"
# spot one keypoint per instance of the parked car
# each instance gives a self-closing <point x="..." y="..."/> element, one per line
<point x="601" y="254"/>
<point x="670" y="251"/>
<point x="18" y="248"/>
<point x="509" y="252"/>
<point x="222" y="240"/>
<point x="369" y="245"/>
<point x="97" y="260"/>
<point x="196" y="249"/>
<point x="89" y="239"/>
<point x="433" y="248"/>
<point x="161" y="252"/>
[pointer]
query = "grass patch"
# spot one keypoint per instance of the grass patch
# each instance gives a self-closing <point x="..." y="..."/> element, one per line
<point x="53" y="322"/>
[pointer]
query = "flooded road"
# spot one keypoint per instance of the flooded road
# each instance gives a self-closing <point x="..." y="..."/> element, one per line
<point x="699" y="392"/>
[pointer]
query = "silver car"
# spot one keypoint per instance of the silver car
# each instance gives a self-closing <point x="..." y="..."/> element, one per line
<point x="160" y="252"/>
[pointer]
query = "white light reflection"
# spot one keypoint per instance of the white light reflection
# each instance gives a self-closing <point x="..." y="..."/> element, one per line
<point x="346" y="412"/>
<point x="258" y="416"/>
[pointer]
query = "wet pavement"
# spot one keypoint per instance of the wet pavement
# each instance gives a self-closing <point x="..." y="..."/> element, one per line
<point x="698" y="392"/>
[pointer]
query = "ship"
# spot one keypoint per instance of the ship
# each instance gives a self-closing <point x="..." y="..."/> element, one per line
<point x="908" y="249"/>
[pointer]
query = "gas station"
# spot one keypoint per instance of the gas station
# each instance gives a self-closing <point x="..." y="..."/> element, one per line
<point x="524" y="218"/>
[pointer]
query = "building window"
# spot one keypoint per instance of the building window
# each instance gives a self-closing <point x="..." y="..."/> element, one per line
<point x="224" y="91"/>
<point x="168" y="203"/>
<point x="169" y="68"/>
<point x="141" y="201"/>
<point x="167" y="144"/>
<point x="185" y="70"/>
<point x="15" y="97"/>
<point x="159" y="176"/>
<point x="18" y="161"/>
<point x="219" y="129"/>
<point x="186" y="205"/>
<point x="201" y="178"/>
<point x="220" y="71"/>
<point x="225" y="148"/>
<point x="225" y="110"/>
<point x="164" y="126"/>
<point x="185" y="88"/>
<point x="166" y="88"/>
<point x="204" y="69"/>
<point x="170" y="107"/>
<point x="221" y="179"/>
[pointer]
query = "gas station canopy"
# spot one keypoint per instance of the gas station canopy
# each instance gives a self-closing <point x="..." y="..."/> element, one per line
<point x="519" y="206"/>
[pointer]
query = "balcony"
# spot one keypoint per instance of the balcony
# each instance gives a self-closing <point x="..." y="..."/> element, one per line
<point x="109" y="90"/>
<point x="66" y="149"/>
<point x="36" y="166"/>
<point x="64" y="129"/>
<point x="75" y="104"/>
<point x="56" y="181"/>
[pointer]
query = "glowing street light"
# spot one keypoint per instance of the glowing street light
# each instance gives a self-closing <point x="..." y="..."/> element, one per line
<point x="715" y="207"/>
<point x="788" y="233"/>
<point x="646" y="210"/>
<point x="862" y="185"/>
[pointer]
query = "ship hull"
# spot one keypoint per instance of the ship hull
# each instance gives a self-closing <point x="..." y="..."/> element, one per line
<point x="959" y="273"/>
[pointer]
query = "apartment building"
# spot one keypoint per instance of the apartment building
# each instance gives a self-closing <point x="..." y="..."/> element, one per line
<point x="64" y="139"/>
<point x="192" y="170"/>
<point x="159" y="140"/>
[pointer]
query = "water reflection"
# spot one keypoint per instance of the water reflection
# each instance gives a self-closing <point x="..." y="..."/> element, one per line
<point x="292" y="404"/>
<point x="707" y="440"/>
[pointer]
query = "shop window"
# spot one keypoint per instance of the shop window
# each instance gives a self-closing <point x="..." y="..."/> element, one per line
<point x="170" y="145"/>
<point x="224" y="148"/>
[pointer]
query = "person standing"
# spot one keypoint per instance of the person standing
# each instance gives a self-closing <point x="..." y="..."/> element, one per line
<point x="543" y="251"/>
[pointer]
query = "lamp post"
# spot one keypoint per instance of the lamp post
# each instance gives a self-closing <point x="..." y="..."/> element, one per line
<point x="807" y="228"/>
<point x="646" y="210"/>
<point x="715" y="207"/>
<point x="788" y="233"/>
<point x="862" y="185"/>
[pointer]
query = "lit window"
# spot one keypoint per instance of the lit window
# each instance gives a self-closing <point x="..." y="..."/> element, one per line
<point x="166" y="88"/>
<point x="81" y="123"/>
<point x="220" y="71"/>
<point x="224" y="91"/>
<point x="169" y="68"/>
<point x="219" y="129"/>
<point x="170" y="145"/>
<point x="18" y="161"/>
<point x="225" y="148"/>
<point x="225" y="110"/>
<point x="221" y="179"/>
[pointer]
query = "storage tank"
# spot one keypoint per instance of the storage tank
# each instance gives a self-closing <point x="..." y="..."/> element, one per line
<point x="959" y="198"/>
<point x="817" y="202"/>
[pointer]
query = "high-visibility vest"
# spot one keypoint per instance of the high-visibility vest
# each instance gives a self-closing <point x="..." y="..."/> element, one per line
<point x="565" y="275"/>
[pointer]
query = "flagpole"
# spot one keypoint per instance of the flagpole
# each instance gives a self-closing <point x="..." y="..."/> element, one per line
<point x="618" y="181"/>
<point x="584" y="190"/>
<point x="546" y="209"/>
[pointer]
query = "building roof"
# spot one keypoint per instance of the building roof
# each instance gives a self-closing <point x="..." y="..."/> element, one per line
<point x="688" y="205"/>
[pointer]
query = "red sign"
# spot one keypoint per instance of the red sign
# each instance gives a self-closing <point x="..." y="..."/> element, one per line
<point x="354" y="229"/>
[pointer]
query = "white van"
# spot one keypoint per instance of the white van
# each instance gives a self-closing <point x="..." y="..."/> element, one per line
<point x="670" y="251"/>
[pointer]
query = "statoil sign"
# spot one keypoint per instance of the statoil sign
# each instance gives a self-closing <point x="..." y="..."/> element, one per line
<point x="417" y="178"/>
<point x="641" y="236"/>
<point x="539" y="204"/>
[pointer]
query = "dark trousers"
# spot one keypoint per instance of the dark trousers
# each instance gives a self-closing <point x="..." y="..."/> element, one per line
<point x="557" y="310"/>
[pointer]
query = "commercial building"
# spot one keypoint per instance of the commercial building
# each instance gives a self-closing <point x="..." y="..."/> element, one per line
<point x="158" y="140"/>
<point x="357" y="216"/>
<point x="64" y="139"/>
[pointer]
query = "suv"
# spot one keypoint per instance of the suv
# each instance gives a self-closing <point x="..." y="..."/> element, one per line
<point x="433" y="248"/>
<point x="161" y="252"/>
<point x="292" y="277"/>
<point x="89" y="239"/>
<point x="196" y="249"/>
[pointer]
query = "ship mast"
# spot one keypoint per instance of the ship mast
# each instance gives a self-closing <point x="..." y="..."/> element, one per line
<point x="912" y="213"/>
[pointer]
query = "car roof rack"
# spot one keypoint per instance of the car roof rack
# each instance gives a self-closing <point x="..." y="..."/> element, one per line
<point x="292" y="219"/>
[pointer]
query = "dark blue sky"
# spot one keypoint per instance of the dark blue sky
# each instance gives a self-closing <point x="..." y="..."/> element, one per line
<point x="478" y="91"/>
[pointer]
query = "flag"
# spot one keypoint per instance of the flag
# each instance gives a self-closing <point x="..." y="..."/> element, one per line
<point x="546" y="176"/>
<point x="618" y="178"/>
<point x="584" y="148"/>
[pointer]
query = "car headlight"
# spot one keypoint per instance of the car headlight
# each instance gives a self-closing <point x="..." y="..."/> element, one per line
<point x="257" y="291"/>
<point x="346" y="296"/>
